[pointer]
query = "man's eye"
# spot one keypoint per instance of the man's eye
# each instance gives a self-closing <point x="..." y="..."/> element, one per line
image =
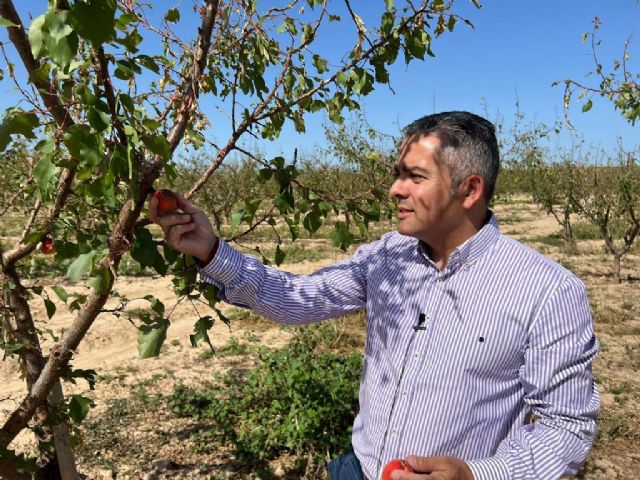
<point x="416" y="178"/>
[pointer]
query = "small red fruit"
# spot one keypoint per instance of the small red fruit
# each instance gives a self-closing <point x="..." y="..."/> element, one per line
<point x="167" y="200"/>
<point x="395" y="464"/>
<point x="46" y="246"/>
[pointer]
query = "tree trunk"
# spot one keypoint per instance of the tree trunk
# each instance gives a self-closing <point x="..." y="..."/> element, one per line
<point x="569" y="240"/>
<point x="616" y="268"/>
<point x="23" y="331"/>
<point x="62" y="439"/>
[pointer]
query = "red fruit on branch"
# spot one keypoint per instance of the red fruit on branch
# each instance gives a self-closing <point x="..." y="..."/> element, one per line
<point x="46" y="246"/>
<point x="167" y="200"/>
<point x="395" y="464"/>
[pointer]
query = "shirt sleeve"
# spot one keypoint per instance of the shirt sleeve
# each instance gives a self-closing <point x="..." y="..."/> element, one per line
<point x="559" y="390"/>
<point x="294" y="299"/>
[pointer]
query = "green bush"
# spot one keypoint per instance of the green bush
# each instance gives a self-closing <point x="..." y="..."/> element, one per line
<point x="586" y="231"/>
<point x="296" y="400"/>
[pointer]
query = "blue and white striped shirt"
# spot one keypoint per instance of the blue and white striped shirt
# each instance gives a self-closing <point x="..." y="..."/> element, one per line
<point x="497" y="371"/>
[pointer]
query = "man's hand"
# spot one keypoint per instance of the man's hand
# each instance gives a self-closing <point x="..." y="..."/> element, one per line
<point x="189" y="232"/>
<point x="434" y="468"/>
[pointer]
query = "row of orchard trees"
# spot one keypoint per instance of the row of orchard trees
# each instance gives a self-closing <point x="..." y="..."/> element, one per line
<point x="597" y="186"/>
<point x="107" y="92"/>
<point x="603" y="190"/>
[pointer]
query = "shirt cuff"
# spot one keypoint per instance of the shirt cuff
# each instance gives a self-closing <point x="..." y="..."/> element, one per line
<point x="225" y="265"/>
<point x="492" y="468"/>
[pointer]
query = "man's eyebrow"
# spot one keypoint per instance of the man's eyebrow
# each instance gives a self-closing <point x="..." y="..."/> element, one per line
<point x="415" y="169"/>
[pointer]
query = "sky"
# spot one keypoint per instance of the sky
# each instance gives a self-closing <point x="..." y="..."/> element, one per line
<point x="514" y="53"/>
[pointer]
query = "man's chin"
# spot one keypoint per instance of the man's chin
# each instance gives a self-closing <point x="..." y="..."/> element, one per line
<point x="405" y="230"/>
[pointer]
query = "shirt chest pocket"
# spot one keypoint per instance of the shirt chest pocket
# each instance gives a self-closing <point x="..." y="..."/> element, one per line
<point x="492" y="350"/>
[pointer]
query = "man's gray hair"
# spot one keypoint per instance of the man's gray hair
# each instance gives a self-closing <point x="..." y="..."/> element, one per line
<point x="468" y="145"/>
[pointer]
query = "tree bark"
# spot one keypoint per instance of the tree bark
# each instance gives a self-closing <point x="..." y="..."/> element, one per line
<point x="616" y="268"/>
<point x="23" y="330"/>
<point x="569" y="240"/>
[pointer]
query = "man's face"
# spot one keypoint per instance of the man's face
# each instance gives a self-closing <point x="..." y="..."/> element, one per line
<point x="427" y="208"/>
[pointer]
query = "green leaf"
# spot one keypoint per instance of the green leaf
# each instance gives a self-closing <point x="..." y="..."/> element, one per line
<point x="61" y="41"/>
<point x="89" y="375"/>
<point x="79" y="407"/>
<point x="60" y="292"/>
<point x="94" y="20"/>
<point x="386" y="23"/>
<point x="98" y="119"/>
<point x="36" y="35"/>
<point x="45" y="174"/>
<point x="6" y="23"/>
<point x="320" y="63"/>
<point x="17" y="123"/>
<point x="81" y="265"/>
<point x="452" y="23"/>
<point x="148" y="62"/>
<point x="84" y="145"/>
<point x="158" y="144"/>
<point x="101" y="282"/>
<point x="307" y="34"/>
<point x="294" y="229"/>
<point x="145" y="252"/>
<point x="280" y="255"/>
<point x="40" y="74"/>
<point x="151" y="337"/>
<point x="201" y="331"/>
<point x="50" y="307"/>
<point x="173" y="15"/>
<point x="236" y="218"/>
<point x="312" y="221"/>
<point x="342" y="237"/>
<point x="587" y="106"/>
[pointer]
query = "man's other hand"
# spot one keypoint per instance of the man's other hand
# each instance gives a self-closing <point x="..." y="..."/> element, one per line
<point x="189" y="232"/>
<point x="434" y="468"/>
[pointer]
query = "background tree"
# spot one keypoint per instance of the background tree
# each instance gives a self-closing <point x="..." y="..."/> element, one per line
<point x="609" y="195"/>
<point x="106" y="99"/>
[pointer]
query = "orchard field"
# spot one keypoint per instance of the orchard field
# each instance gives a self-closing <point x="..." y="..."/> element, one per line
<point x="118" y="362"/>
<point x="164" y="417"/>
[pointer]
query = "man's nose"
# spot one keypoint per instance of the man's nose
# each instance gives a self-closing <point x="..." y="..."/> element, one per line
<point x="397" y="189"/>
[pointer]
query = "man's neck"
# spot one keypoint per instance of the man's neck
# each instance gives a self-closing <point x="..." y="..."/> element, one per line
<point x="440" y="249"/>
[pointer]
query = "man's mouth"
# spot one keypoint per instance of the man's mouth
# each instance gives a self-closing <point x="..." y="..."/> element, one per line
<point x="404" y="210"/>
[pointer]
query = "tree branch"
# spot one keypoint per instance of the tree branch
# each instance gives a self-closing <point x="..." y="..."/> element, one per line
<point x="119" y="243"/>
<point x="18" y="37"/>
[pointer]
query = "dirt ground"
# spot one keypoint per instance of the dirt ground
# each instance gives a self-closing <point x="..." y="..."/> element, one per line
<point x="110" y="347"/>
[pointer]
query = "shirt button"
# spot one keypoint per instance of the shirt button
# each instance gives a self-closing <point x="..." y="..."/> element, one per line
<point x="394" y="431"/>
<point x="416" y="355"/>
<point x="404" y="394"/>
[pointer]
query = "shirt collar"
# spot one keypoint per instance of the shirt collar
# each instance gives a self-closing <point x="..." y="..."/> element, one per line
<point x="473" y="248"/>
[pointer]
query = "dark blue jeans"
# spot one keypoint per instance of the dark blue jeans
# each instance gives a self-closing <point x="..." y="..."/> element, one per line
<point x="345" y="467"/>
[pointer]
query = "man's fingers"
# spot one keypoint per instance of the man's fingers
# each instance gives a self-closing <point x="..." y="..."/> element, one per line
<point x="175" y="233"/>
<point x="153" y="209"/>
<point x="400" y="475"/>
<point x="185" y="205"/>
<point x="426" y="464"/>
<point x="166" y="222"/>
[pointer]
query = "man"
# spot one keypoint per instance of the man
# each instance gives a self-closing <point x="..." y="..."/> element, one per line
<point x="478" y="353"/>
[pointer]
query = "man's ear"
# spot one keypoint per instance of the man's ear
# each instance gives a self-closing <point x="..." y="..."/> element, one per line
<point x="472" y="190"/>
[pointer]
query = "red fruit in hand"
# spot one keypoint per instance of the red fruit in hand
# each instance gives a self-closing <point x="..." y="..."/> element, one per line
<point x="395" y="464"/>
<point x="46" y="246"/>
<point x="167" y="200"/>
